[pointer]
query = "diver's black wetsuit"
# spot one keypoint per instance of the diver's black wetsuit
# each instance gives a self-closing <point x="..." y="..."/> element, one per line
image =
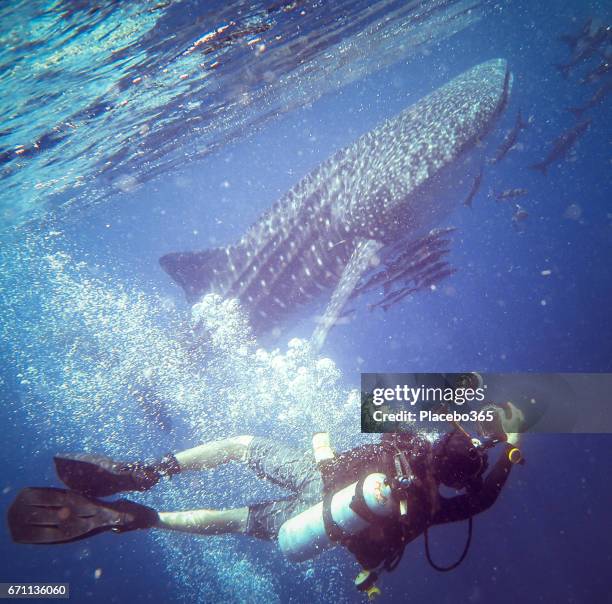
<point x="297" y="471"/>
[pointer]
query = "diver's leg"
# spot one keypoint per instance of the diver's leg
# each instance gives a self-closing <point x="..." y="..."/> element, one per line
<point x="271" y="460"/>
<point x="261" y="520"/>
<point x="289" y="468"/>
<point x="41" y="515"/>
<point x="205" y="522"/>
<point x="213" y="454"/>
<point x="100" y="476"/>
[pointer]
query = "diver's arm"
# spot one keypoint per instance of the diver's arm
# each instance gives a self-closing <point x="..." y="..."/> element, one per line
<point x="462" y="507"/>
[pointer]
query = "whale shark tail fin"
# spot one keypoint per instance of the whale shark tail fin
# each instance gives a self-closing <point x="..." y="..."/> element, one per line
<point x="196" y="272"/>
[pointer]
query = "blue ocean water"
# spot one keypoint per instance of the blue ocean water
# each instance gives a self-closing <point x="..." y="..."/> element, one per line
<point x="85" y="307"/>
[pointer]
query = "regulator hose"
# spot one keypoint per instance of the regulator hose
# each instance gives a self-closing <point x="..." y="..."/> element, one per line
<point x="444" y="569"/>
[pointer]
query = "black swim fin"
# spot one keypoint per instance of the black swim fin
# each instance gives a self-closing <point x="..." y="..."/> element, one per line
<point x="100" y="476"/>
<point x="46" y="515"/>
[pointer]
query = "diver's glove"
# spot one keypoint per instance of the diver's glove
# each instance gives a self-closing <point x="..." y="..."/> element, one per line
<point x="507" y="423"/>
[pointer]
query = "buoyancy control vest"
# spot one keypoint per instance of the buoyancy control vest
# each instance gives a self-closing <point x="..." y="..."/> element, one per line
<point x="371" y="497"/>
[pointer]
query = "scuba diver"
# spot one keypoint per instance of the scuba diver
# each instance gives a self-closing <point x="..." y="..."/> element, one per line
<point x="372" y="499"/>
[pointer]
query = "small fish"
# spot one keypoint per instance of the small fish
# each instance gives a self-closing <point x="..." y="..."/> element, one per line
<point x="400" y="261"/>
<point x="437" y="272"/>
<point x="474" y="190"/>
<point x="519" y="216"/>
<point x="587" y="31"/>
<point x="595" y="75"/>
<point x="404" y="258"/>
<point x="159" y="6"/>
<point x="403" y="294"/>
<point x="595" y="100"/>
<point x="606" y="53"/>
<point x="425" y="278"/>
<point x="511" y="137"/>
<point x="434" y="274"/>
<point x="389" y="298"/>
<point x="438" y="276"/>
<point x="510" y="194"/>
<point x="418" y="270"/>
<point x="374" y="281"/>
<point x="561" y="146"/>
<point x="585" y="49"/>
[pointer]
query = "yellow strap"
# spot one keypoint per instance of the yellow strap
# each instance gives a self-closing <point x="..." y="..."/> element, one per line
<point x="321" y="446"/>
<point x="515" y="456"/>
<point x="373" y="592"/>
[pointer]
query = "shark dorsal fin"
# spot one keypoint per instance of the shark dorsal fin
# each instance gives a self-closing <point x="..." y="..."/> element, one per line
<point x="197" y="272"/>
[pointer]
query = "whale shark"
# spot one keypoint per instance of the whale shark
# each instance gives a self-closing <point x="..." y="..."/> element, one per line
<point x="384" y="193"/>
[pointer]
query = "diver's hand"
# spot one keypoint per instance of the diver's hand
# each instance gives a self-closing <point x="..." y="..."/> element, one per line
<point x="513" y="422"/>
<point x="507" y="424"/>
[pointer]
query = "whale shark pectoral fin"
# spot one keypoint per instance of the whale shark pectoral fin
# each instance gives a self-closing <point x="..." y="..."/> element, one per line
<point x="359" y="262"/>
<point x="196" y="272"/>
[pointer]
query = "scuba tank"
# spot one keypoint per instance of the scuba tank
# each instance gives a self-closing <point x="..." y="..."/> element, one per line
<point x="338" y="516"/>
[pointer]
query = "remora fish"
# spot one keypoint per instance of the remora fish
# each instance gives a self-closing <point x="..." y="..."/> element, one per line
<point x="416" y="270"/>
<point x="586" y="50"/>
<point x="510" y="194"/>
<point x="406" y="262"/>
<point x="436" y="239"/>
<point x="595" y="100"/>
<point x="327" y="231"/>
<point x="388" y="301"/>
<point x="561" y="146"/>
<point x="589" y="29"/>
<point x="411" y="261"/>
<point x="602" y="70"/>
<point x="511" y="138"/>
<point x="439" y="271"/>
<point x="519" y="216"/>
<point x="475" y="188"/>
